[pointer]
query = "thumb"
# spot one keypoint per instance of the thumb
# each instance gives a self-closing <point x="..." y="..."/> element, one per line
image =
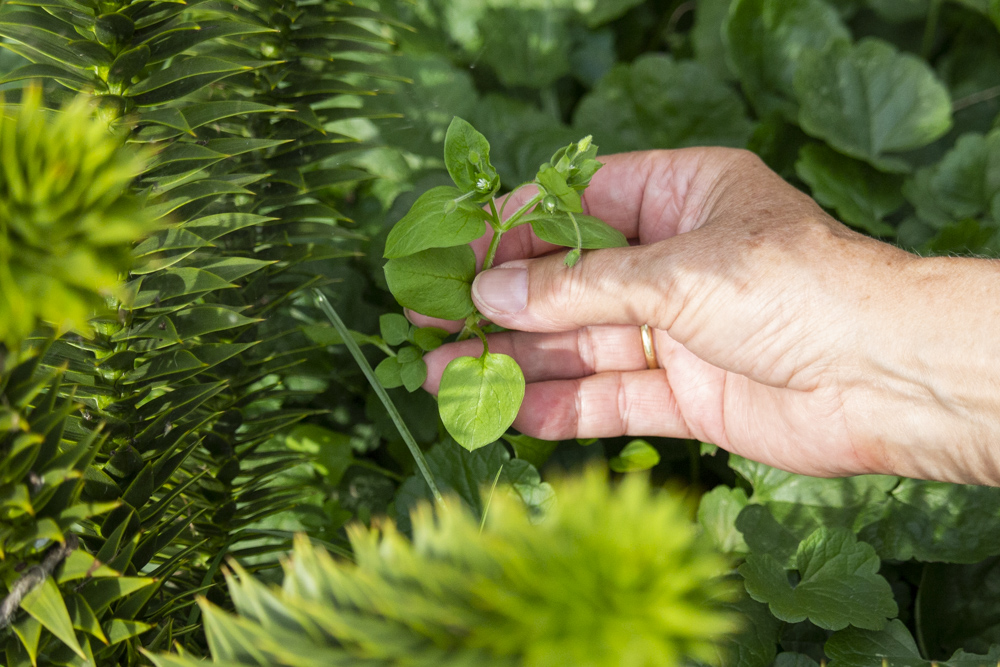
<point x="612" y="286"/>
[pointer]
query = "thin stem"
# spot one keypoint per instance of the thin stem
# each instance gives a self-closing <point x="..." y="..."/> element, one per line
<point x="512" y="220"/>
<point x="365" y="463"/>
<point x="479" y="332"/>
<point x="489" y="499"/>
<point x="491" y="252"/>
<point x="976" y="98"/>
<point x="509" y="195"/>
<point x="397" y="419"/>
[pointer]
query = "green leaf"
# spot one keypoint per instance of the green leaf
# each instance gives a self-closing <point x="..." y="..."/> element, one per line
<point x="45" y="604"/>
<point x="868" y="100"/>
<point x="598" y="13"/>
<point x="467" y="158"/>
<point x="413" y="374"/>
<point x="894" y="646"/>
<point x="801" y="503"/>
<point x="794" y="660"/>
<point x="839" y="583"/>
<point x="525" y="46"/>
<point x="479" y="398"/>
<point x="558" y="229"/>
<point x="389" y="373"/>
<point x="429" y="338"/>
<point x="935" y="521"/>
<point x="764" y="535"/>
<point x="330" y="451"/>
<point x="435" y="282"/>
<point x="862" y="196"/>
<point x="755" y="644"/>
<point x="765" y="40"/>
<point x="182" y="78"/>
<point x="533" y="450"/>
<point x="637" y="455"/>
<point x="83" y="617"/>
<point x="394" y="328"/>
<point x="200" y="320"/>
<point x="959" y="606"/>
<point x="554" y="184"/>
<point x="706" y="36"/>
<point x="436" y="220"/>
<point x="964" y="184"/>
<point x="118" y="630"/>
<point x="470" y="475"/>
<point x="658" y="102"/>
<point x="717" y="514"/>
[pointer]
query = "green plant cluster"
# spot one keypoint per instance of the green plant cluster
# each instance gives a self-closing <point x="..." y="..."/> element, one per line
<point x="887" y="114"/>
<point x="66" y="217"/>
<point x="139" y="457"/>
<point x="226" y="398"/>
<point x="501" y="591"/>
<point x="431" y="267"/>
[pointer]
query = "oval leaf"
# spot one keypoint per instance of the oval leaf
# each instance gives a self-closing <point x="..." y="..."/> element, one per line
<point x="479" y="398"/>
<point x="467" y="158"/>
<point x="558" y="228"/>
<point x="435" y="282"/>
<point x="637" y="455"/>
<point x="436" y="221"/>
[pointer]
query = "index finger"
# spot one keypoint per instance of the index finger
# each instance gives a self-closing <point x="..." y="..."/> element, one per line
<point x="647" y="196"/>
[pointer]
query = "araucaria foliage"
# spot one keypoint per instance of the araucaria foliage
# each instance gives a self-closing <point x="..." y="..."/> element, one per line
<point x="67" y="215"/>
<point x="612" y="576"/>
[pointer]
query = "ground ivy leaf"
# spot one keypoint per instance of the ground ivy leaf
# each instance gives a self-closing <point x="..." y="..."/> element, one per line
<point x="959" y="606"/>
<point x="861" y="195"/>
<point x="412" y="374"/>
<point x="764" y="535"/>
<point x="394" y="328"/>
<point x="859" y="648"/>
<point x="636" y="456"/>
<point x="436" y="282"/>
<point x="389" y="373"/>
<point x="436" y="221"/>
<point x="479" y="398"/>
<point x="706" y="36"/>
<point x="717" y="514"/>
<point x="557" y="228"/>
<point x="794" y="660"/>
<point x="470" y="475"/>
<point x="964" y="184"/>
<point x="533" y="450"/>
<point x="755" y="645"/>
<point x="936" y="521"/>
<point x="868" y="100"/>
<point x="801" y="503"/>
<point x="839" y="583"/>
<point x="658" y="102"/>
<point x="765" y="39"/>
<point x="467" y="158"/>
<point x="895" y="646"/>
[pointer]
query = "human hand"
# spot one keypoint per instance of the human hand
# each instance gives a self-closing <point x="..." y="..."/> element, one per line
<point x="781" y="335"/>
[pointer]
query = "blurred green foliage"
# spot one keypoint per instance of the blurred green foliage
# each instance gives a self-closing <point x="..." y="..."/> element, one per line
<point x="214" y="411"/>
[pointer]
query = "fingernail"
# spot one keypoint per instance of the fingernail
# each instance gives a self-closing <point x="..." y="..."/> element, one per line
<point x="502" y="290"/>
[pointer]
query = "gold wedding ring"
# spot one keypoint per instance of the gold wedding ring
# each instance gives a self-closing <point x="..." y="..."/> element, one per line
<point x="648" y="348"/>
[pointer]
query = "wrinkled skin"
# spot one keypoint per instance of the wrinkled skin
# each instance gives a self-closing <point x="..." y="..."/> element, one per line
<point x="781" y="335"/>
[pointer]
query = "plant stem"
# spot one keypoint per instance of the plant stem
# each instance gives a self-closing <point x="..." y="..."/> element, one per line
<point x="516" y="215"/>
<point x="491" y="253"/>
<point x="397" y="419"/>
